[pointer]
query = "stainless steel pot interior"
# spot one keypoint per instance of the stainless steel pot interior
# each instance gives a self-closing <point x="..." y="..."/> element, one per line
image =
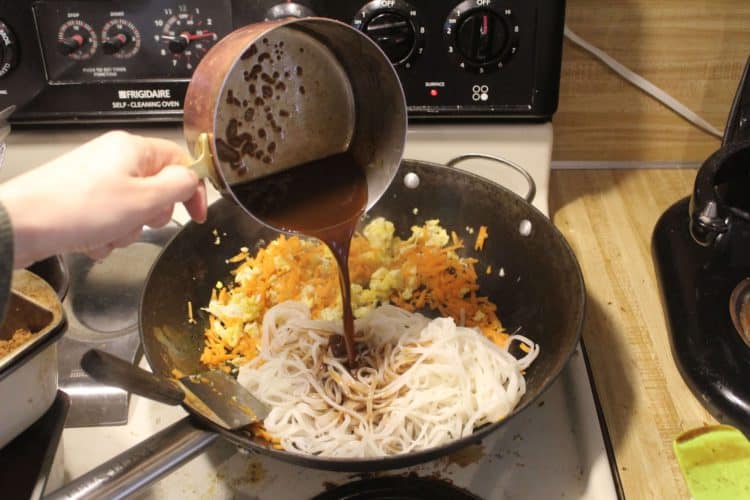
<point x="540" y="292"/>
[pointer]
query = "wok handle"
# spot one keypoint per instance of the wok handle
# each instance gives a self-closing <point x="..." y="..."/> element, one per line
<point x="111" y="370"/>
<point x="141" y="465"/>
<point x="530" y="194"/>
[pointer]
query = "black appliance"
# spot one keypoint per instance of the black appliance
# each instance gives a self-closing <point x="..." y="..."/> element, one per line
<point x="125" y="61"/>
<point x="701" y="251"/>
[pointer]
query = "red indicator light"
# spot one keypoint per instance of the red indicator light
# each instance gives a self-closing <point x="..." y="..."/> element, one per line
<point x="433" y="92"/>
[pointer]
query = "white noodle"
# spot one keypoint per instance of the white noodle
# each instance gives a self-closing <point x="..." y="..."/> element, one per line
<point x="422" y="383"/>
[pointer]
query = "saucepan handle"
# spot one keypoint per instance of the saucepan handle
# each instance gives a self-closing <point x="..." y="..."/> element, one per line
<point x="141" y="465"/>
<point x="203" y="159"/>
<point x="108" y="369"/>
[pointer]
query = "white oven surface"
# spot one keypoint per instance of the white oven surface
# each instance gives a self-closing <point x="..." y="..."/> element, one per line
<point x="554" y="449"/>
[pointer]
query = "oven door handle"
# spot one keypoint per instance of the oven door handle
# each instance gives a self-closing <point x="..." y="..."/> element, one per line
<point x="141" y="465"/>
<point x="515" y="166"/>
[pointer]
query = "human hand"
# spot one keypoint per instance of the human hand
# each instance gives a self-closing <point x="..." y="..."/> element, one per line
<point x="99" y="196"/>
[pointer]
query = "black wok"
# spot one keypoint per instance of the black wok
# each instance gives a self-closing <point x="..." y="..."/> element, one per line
<point x="541" y="292"/>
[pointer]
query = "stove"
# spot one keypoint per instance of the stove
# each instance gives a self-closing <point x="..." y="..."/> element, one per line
<point x="481" y="78"/>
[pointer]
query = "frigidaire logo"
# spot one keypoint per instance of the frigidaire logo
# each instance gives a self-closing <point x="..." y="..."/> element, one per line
<point x="144" y="94"/>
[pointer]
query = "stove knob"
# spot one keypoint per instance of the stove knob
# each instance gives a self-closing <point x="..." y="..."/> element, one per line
<point x="114" y="43"/>
<point x="393" y="33"/>
<point x="8" y="50"/>
<point x="289" y="9"/>
<point x="70" y="44"/>
<point x="482" y="38"/>
<point x="179" y="43"/>
<point x="395" y="27"/>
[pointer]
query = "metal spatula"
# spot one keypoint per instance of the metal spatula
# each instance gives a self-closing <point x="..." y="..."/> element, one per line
<point x="212" y="394"/>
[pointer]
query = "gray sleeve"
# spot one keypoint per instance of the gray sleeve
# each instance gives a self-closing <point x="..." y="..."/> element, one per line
<point x="6" y="259"/>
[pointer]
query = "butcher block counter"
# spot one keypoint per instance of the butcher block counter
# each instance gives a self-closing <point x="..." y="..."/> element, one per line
<point x="608" y="217"/>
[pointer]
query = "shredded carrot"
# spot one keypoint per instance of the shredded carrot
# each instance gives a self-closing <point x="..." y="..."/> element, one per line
<point x="481" y="238"/>
<point x="290" y="268"/>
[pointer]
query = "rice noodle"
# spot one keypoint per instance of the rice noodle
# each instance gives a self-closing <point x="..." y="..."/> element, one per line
<point x="420" y="383"/>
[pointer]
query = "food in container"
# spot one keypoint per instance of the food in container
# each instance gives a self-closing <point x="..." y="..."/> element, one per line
<point x="28" y="365"/>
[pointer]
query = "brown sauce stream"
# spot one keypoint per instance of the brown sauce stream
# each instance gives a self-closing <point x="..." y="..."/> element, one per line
<point x="323" y="199"/>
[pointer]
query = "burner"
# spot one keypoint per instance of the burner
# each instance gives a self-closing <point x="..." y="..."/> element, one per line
<point x="102" y="312"/>
<point x="105" y="294"/>
<point x="696" y="286"/>
<point x="397" y="488"/>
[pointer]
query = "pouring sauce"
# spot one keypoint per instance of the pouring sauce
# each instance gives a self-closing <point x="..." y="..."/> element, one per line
<point x="323" y="199"/>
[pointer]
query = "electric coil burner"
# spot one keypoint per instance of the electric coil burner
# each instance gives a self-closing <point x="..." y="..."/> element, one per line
<point x="701" y="249"/>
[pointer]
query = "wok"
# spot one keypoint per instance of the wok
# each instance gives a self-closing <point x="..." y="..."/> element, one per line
<point x="541" y="293"/>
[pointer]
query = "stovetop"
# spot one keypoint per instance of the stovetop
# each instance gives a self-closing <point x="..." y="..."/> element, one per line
<point x="696" y="284"/>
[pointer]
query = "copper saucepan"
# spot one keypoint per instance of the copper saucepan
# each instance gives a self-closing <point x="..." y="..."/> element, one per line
<point x="278" y="94"/>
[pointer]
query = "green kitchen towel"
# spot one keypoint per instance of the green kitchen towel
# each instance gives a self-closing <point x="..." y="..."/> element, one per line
<point x="715" y="461"/>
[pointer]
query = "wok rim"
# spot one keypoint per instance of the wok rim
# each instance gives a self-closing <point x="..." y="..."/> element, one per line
<point x="415" y="457"/>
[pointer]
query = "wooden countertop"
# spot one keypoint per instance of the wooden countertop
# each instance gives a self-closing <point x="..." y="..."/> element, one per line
<point x="693" y="49"/>
<point x="608" y="217"/>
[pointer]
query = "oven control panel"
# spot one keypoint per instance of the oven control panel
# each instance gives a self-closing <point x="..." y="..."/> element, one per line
<point x="119" y="61"/>
<point x="83" y="43"/>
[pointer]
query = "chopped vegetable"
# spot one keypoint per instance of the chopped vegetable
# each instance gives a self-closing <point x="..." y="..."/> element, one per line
<point x="481" y="238"/>
<point x="423" y="272"/>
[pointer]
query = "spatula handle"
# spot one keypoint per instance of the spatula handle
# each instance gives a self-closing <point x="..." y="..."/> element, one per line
<point x="111" y="370"/>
